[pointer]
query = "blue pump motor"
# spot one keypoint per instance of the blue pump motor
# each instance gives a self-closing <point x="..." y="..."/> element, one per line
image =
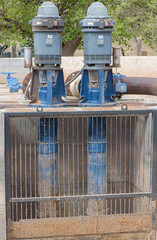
<point x="97" y="87"/>
<point x="47" y="27"/>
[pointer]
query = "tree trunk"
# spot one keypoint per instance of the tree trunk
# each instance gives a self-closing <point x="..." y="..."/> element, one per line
<point x="70" y="47"/>
<point x="13" y="51"/>
<point x="138" y="46"/>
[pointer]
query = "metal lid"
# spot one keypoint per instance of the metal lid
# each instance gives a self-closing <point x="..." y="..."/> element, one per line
<point x="48" y="9"/>
<point x="97" y="10"/>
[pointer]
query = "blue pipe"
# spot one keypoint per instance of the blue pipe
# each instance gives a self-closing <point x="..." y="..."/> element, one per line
<point x="97" y="155"/>
<point x="47" y="156"/>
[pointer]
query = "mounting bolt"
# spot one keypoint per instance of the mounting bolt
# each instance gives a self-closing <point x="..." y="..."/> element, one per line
<point x="124" y="107"/>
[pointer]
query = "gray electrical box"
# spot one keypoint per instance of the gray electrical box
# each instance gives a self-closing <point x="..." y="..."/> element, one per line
<point x="47" y="27"/>
<point x="97" y="30"/>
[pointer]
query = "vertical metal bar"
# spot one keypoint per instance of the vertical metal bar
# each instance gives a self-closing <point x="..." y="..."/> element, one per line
<point x="12" y="168"/>
<point x="97" y="162"/>
<point x="16" y="171"/>
<point x="73" y="164"/>
<point x="78" y="163"/>
<point x="21" y="180"/>
<point x="120" y="164"/>
<point x="49" y="192"/>
<point x="102" y="173"/>
<point x="63" y="163"/>
<point x="39" y="182"/>
<point x="125" y="163"/>
<point x="135" y="136"/>
<point x="8" y="168"/>
<point x="151" y="145"/>
<point x="35" y="164"/>
<point x="154" y="167"/>
<point x="44" y="193"/>
<point x="30" y="167"/>
<point x="144" y="133"/>
<point x="116" y="165"/>
<point x="139" y="170"/>
<point x="92" y="160"/>
<point x="106" y="164"/>
<point x="111" y="163"/>
<point x="68" y="161"/>
<point x="83" y="192"/>
<point x="59" y="165"/>
<point x="130" y="150"/>
<point x="63" y="157"/>
<point x="55" y="164"/>
<point x="97" y="155"/>
<point x="26" y="165"/>
<point x="86" y="201"/>
<point x="152" y="126"/>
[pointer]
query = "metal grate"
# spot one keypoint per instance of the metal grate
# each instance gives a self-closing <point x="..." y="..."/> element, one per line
<point x="97" y="57"/>
<point x="79" y="165"/>
<point x="47" y="58"/>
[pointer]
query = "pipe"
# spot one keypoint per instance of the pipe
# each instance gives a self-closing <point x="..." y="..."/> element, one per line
<point x="70" y="81"/>
<point x="97" y="157"/>
<point x="47" y="164"/>
<point x="116" y="57"/>
<point x="75" y="87"/>
<point x="141" y="85"/>
<point x="27" y="57"/>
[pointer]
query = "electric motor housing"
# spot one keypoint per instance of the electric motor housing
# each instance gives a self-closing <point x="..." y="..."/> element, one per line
<point x="47" y="27"/>
<point x="97" y="30"/>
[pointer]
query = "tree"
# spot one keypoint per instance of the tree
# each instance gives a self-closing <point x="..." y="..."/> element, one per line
<point x="14" y="21"/>
<point x="16" y="14"/>
<point x="134" y="19"/>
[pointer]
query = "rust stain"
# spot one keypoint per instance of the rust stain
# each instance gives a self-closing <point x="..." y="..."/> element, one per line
<point x="74" y="226"/>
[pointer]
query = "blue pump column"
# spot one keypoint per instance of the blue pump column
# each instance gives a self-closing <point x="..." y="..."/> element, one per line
<point x="97" y="87"/>
<point x="97" y="157"/>
<point x="47" y="163"/>
<point x="51" y="94"/>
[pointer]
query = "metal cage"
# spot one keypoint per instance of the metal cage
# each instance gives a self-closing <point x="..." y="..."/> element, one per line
<point x="56" y="167"/>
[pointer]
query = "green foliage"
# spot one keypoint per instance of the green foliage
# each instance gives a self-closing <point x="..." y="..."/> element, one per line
<point x="133" y="18"/>
<point x="136" y="19"/>
<point x="14" y="21"/>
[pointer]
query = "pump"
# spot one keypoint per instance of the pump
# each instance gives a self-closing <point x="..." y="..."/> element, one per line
<point x="48" y="77"/>
<point x="97" y="87"/>
<point x="47" y="74"/>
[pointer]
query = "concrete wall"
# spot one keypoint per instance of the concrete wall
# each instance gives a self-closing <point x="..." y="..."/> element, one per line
<point x="130" y="66"/>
